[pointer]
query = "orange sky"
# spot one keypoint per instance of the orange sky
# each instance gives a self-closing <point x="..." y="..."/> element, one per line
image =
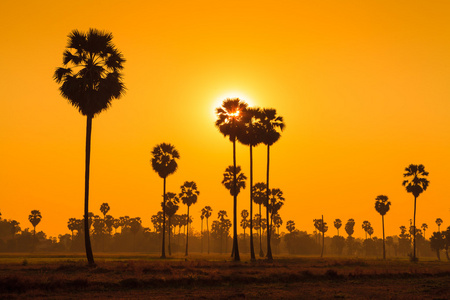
<point x="363" y="87"/>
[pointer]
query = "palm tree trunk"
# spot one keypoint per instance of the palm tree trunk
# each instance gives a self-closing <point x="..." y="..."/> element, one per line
<point x="187" y="232"/>
<point x="201" y="235"/>
<point x="87" y="240"/>
<point x="269" y="250"/>
<point x="163" y="250"/>
<point x="384" y="248"/>
<point x="170" y="251"/>
<point x="235" y="241"/>
<point x="252" y="248"/>
<point x="323" y="237"/>
<point x="207" y="229"/>
<point x="414" y="231"/>
<point x="261" y="252"/>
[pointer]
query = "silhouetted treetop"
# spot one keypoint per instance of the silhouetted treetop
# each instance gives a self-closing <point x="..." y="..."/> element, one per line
<point x="418" y="183"/>
<point x="230" y="117"/>
<point x="164" y="159"/>
<point x="382" y="204"/>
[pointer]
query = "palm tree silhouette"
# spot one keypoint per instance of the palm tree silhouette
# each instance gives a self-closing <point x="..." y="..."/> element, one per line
<point x="91" y="78"/>
<point x="321" y="226"/>
<point x="35" y="218"/>
<point x="251" y="135"/>
<point x="424" y="228"/>
<point x="189" y="195"/>
<point x="104" y="208"/>
<point x="382" y="206"/>
<point x="259" y="197"/>
<point x="276" y="201"/>
<point x="415" y="185"/>
<point x="349" y="227"/>
<point x="290" y="226"/>
<point x="366" y="225"/>
<point x="228" y="180"/>
<point x="164" y="163"/>
<point x="229" y="121"/>
<point x="72" y="225"/>
<point x="277" y="221"/>
<point x="272" y="125"/>
<point x="439" y="223"/>
<point x="244" y="221"/>
<point x="171" y="208"/>
<point x="206" y="212"/>
<point x="337" y="224"/>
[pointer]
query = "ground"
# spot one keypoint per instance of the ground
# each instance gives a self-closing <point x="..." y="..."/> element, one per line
<point x="217" y="277"/>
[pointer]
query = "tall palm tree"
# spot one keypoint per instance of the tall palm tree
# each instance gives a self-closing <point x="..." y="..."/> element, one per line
<point x="189" y="195"/>
<point x="104" y="208"/>
<point x="259" y="197"/>
<point x="90" y="79"/>
<point x="230" y="123"/>
<point x="35" y="218"/>
<point x="439" y="223"/>
<point x="164" y="163"/>
<point x="337" y="224"/>
<point x="251" y="135"/>
<point x="170" y="209"/>
<point x="382" y="206"/>
<point x="272" y="125"/>
<point x="424" y="228"/>
<point x="206" y="212"/>
<point x="366" y="225"/>
<point x="415" y="184"/>
<point x="276" y="201"/>
<point x="321" y="226"/>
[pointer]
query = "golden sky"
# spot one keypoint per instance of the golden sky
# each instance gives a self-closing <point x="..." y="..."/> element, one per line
<point x="363" y="87"/>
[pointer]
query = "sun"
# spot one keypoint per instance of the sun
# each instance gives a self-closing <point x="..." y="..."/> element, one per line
<point x="230" y="94"/>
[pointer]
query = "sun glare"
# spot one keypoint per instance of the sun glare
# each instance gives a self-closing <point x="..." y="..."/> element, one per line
<point x="232" y="94"/>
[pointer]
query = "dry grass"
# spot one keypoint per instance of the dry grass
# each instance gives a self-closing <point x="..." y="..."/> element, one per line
<point x="142" y="276"/>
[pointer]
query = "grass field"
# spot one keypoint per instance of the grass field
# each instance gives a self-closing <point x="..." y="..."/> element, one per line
<point x="216" y="277"/>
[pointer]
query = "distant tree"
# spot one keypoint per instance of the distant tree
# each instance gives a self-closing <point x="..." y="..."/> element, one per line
<point x="276" y="201"/>
<point x="272" y="125"/>
<point x="90" y="79"/>
<point x="72" y="225"/>
<point x="439" y="223"/>
<point x="230" y="123"/>
<point x="446" y="235"/>
<point x="135" y="226"/>
<point x="109" y="223"/>
<point x="244" y="221"/>
<point x="382" y="205"/>
<point x="290" y="226"/>
<point x="370" y="232"/>
<point x="437" y="243"/>
<point x="415" y="184"/>
<point x="104" y="208"/>
<point x="251" y="135"/>
<point x="337" y="224"/>
<point x="171" y="208"/>
<point x="277" y="222"/>
<point x="424" y="228"/>
<point x="188" y="195"/>
<point x="349" y="227"/>
<point x="35" y="218"/>
<point x="322" y="227"/>
<point x="366" y="225"/>
<point x="228" y="180"/>
<point x="259" y="197"/>
<point x="206" y="212"/>
<point x="164" y="163"/>
<point x="157" y="221"/>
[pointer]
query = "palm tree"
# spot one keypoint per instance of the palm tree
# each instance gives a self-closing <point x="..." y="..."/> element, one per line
<point x="337" y="224"/>
<point x="244" y="221"/>
<point x="424" y="228"/>
<point x="439" y="223"/>
<point x="349" y="227"/>
<point x="272" y="125"/>
<point x="366" y="225"/>
<point x="229" y="122"/>
<point x="164" y="163"/>
<point x="188" y="196"/>
<point x="290" y="226"/>
<point x="437" y="243"/>
<point x="259" y="197"/>
<point x="90" y="79"/>
<point x="415" y="185"/>
<point x="321" y="226"/>
<point x="170" y="209"/>
<point x="228" y="180"/>
<point x="35" y="218"/>
<point x="277" y="221"/>
<point x="72" y="225"/>
<point x="382" y="206"/>
<point x="104" y="208"/>
<point x="206" y="212"/>
<point x="276" y="201"/>
<point x="251" y="135"/>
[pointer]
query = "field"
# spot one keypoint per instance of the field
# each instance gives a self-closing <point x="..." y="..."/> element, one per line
<point x="216" y="277"/>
